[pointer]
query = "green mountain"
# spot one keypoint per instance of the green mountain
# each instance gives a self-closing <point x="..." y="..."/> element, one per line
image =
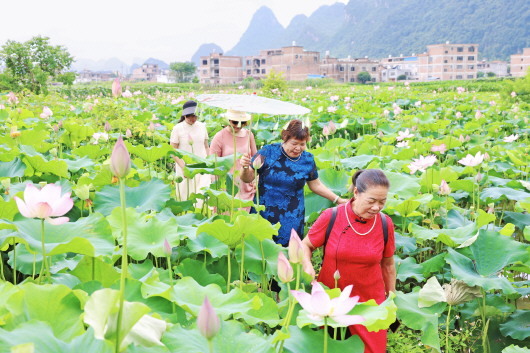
<point x="378" y="28"/>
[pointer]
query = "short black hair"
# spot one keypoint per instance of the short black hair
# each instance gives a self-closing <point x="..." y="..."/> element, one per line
<point x="367" y="178"/>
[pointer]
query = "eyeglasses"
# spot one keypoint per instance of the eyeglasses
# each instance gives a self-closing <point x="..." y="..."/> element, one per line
<point x="233" y="122"/>
<point x="190" y="116"/>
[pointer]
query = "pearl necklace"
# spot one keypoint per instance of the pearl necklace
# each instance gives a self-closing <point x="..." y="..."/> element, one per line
<point x="351" y="226"/>
<point x="289" y="158"/>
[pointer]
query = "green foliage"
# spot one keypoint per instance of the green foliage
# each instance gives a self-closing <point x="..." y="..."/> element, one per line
<point x="402" y="77"/>
<point x="67" y="78"/>
<point x="363" y="77"/>
<point x="183" y="71"/>
<point x="274" y="83"/>
<point x="32" y="63"/>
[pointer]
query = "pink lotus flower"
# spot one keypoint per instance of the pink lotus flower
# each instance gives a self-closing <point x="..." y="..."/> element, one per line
<point x="2" y="106"/>
<point x="458" y="114"/>
<point x="376" y="88"/>
<point x="45" y="203"/>
<point x="12" y="98"/>
<point x="439" y="148"/>
<point x="46" y="113"/>
<point x="511" y="138"/>
<point x="332" y="127"/>
<point x="386" y="112"/>
<point x="167" y="248"/>
<point x="100" y="135"/>
<point x="478" y="114"/>
<point x="513" y="94"/>
<point x="332" y="109"/>
<point x="334" y="98"/>
<point x="126" y="94"/>
<point x="403" y="144"/>
<point x="128" y="133"/>
<point x="421" y="163"/>
<point x="285" y="270"/>
<point x="296" y="249"/>
<point x="208" y="322"/>
<point x="493" y="103"/>
<point x="417" y="104"/>
<point x="460" y="89"/>
<point x="120" y="160"/>
<point x="107" y="126"/>
<point x="319" y="305"/>
<point x="404" y="135"/>
<point x="116" y="88"/>
<point x="325" y="130"/>
<point x="444" y="188"/>
<point x="309" y="88"/>
<point x="470" y="161"/>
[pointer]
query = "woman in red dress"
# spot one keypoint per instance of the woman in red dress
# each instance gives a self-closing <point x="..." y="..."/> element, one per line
<point x="357" y="249"/>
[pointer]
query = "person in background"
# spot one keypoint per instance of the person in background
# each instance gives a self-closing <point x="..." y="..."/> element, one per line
<point x="191" y="136"/>
<point x="234" y="138"/>
<point x="286" y="169"/>
<point x="356" y="248"/>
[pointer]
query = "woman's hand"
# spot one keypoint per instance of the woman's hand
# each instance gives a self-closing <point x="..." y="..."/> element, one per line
<point x="340" y="201"/>
<point x="245" y="160"/>
<point x="247" y="173"/>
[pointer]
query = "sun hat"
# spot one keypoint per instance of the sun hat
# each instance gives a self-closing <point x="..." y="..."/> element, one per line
<point x="236" y="115"/>
<point x="189" y="108"/>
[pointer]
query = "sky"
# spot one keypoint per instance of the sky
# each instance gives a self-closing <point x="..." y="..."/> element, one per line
<point x="136" y="30"/>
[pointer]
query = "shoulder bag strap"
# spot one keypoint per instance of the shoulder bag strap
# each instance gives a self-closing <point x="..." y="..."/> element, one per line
<point x="328" y="230"/>
<point x="385" y="228"/>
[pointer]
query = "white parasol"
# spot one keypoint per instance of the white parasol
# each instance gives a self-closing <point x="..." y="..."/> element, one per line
<point x="251" y="103"/>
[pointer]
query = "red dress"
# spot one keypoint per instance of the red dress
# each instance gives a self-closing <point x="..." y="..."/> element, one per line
<point x="358" y="259"/>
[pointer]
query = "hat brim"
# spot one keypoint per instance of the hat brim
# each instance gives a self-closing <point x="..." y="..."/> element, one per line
<point x="240" y="116"/>
<point x="189" y="110"/>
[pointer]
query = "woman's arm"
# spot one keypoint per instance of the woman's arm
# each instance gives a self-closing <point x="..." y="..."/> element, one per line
<point x="177" y="160"/>
<point x="320" y="189"/>
<point x="306" y="262"/>
<point x="389" y="274"/>
<point x="247" y="173"/>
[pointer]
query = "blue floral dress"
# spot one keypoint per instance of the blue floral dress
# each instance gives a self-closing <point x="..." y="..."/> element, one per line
<point x="281" y="189"/>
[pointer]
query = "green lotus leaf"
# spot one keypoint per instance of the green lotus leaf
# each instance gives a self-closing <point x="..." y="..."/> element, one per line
<point x="309" y="341"/>
<point x="408" y="268"/>
<point x="231" y="338"/>
<point x="484" y="218"/>
<point x="95" y="269"/>
<point x="517" y="326"/>
<point x="336" y="180"/>
<point x="223" y="200"/>
<point x="30" y="263"/>
<point x="36" y="137"/>
<point x="244" y="225"/>
<point x="507" y="230"/>
<point x="189" y="295"/>
<point x="515" y="349"/>
<point x="314" y="205"/>
<point x="257" y="260"/>
<point x="406" y="208"/>
<point x="450" y="237"/>
<point x="422" y="319"/>
<point x="521" y="220"/>
<point x="431" y="293"/>
<point x="210" y="165"/>
<point x="77" y="164"/>
<point x="101" y="313"/>
<point x="516" y="157"/>
<point x="37" y="336"/>
<point x="496" y="194"/>
<point x="146" y="234"/>
<point x="91" y="151"/>
<point x="463" y="185"/>
<point x="435" y="176"/>
<point x="197" y="270"/>
<point x="38" y="163"/>
<point x="152" y="285"/>
<point x="14" y="168"/>
<point x="75" y="133"/>
<point x="403" y="186"/>
<point x="57" y="305"/>
<point x="433" y="265"/>
<point x="151" y="195"/>
<point x="209" y="244"/>
<point x="378" y="317"/>
<point x="357" y="162"/>
<point x="7" y="154"/>
<point x="149" y="154"/>
<point x="8" y="210"/>
<point x="88" y="236"/>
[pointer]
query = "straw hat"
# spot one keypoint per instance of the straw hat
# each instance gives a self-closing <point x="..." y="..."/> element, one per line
<point x="236" y="115"/>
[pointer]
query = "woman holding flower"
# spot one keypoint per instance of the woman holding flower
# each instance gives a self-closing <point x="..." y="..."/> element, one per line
<point x="286" y="169"/>
<point x="357" y="249"/>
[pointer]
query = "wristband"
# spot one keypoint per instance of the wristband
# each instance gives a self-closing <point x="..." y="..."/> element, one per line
<point x="246" y="167"/>
<point x="336" y="199"/>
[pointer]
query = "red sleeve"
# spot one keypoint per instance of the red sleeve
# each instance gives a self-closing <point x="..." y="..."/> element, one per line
<point x="390" y="247"/>
<point x="317" y="232"/>
<point x="216" y="146"/>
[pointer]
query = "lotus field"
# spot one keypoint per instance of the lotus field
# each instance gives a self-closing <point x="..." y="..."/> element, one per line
<point x="99" y="254"/>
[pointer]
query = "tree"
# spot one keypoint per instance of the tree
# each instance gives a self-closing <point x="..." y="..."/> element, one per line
<point x="31" y="64"/>
<point x="364" y="77"/>
<point x="183" y="70"/>
<point x="491" y="74"/>
<point x="274" y="83"/>
<point x="480" y="74"/>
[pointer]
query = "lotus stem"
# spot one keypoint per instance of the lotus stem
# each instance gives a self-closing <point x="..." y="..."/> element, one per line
<point x="124" y="263"/>
<point x="325" y="334"/>
<point x="168" y="259"/>
<point x="229" y="272"/>
<point x="14" y="262"/>
<point x="447" y="348"/>
<point x="44" y="264"/>
<point x="242" y="269"/>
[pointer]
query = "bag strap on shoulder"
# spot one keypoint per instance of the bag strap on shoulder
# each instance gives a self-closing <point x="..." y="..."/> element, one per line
<point x="328" y="229"/>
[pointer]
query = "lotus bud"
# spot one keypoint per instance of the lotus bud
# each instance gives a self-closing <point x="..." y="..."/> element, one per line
<point x="12" y="98"/>
<point x="332" y="127"/>
<point x="336" y="275"/>
<point x="167" y="248"/>
<point x="151" y="126"/>
<point x="258" y="162"/>
<point x="208" y="322"/>
<point x="107" y="126"/>
<point x="325" y="130"/>
<point x="2" y="107"/>
<point x="116" y="88"/>
<point x="53" y="152"/>
<point x="461" y="138"/>
<point x="83" y="191"/>
<point x="444" y="188"/>
<point x="128" y="133"/>
<point x="6" y="183"/>
<point x="296" y="249"/>
<point x="513" y="94"/>
<point x="14" y="132"/>
<point x="487" y="156"/>
<point x="491" y="208"/>
<point x="458" y="114"/>
<point x="479" y="177"/>
<point x="55" y="128"/>
<point x="285" y="270"/>
<point x="190" y="139"/>
<point x="120" y="160"/>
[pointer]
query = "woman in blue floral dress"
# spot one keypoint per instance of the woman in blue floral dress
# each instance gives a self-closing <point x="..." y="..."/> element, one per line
<point x="286" y="168"/>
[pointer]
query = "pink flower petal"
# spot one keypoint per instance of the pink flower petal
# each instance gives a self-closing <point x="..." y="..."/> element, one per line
<point x="321" y="303"/>
<point x="22" y="208"/>
<point x="31" y="195"/>
<point x="304" y="299"/>
<point x="62" y="205"/>
<point x="348" y="320"/>
<point x="41" y="210"/>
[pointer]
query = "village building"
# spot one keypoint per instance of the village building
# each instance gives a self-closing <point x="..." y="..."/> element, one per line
<point x="448" y="62"/>
<point x="519" y="63"/>
<point x="218" y="69"/>
<point x="496" y="68"/>
<point x="146" y="72"/>
<point x="94" y="76"/>
<point x="404" y="68"/>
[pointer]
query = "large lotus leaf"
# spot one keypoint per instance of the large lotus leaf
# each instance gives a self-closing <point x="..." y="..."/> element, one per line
<point x="223" y="200"/>
<point x="189" y="295"/>
<point x="57" y="305"/>
<point x="197" y="270"/>
<point x="30" y="263"/>
<point x="378" y="317"/>
<point x="95" y="269"/>
<point x="357" y="162"/>
<point x="37" y="336"/>
<point x="435" y="176"/>
<point x="517" y="326"/>
<point x="8" y="210"/>
<point x="244" y="225"/>
<point x="521" y="220"/>
<point x="91" y="151"/>
<point x="74" y="165"/>
<point x="6" y="291"/>
<point x="431" y="293"/>
<point x="7" y="154"/>
<point x="210" y="165"/>
<point x="407" y="208"/>
<point x="515" y="349"/>
<point x="209" y="244"/>
<point x="433" y="265"/>
<point x="75" y="133"/>
<point x="496" y="194"/>
<point x="14" y="168"/>
<point x="88" y="236"/>
<point x="403" y="186"/>
<point x="101" y="313"/>
<point x="39" y="164"/>
<point x="36" y="137"/>
<point x="145" y="235"/>
<point x="408" y="268"/>
<point x="450" y="237"/>
<point x="515" y="157"/>
<point x="422" y="319"/>
<point x="151" y="195"/>
<point x="465" y="269"/>
<point x="260" y="256"/>
<point x="314" y="205"/>
<point x="309" y="341"/>
<point x="485" y="218"/>
<point x="233" y="337"/>
<point x="149" y="154"/>
<point x="152" y="285"/>
<point x="336" y="180"/>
